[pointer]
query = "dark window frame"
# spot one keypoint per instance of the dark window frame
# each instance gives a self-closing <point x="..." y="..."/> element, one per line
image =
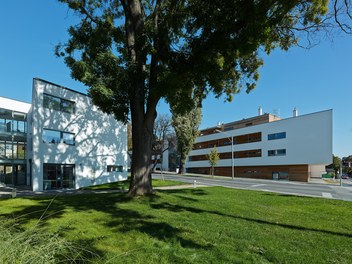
<point x="114" y="168"/>
<point x="62" y="133"/>
<point x="276" y="152"/>
<point x="275" y="136"/>
<point x="61" y="102"/>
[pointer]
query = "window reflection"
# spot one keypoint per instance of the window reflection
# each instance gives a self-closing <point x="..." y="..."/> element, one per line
<point x="51" y="136"/>
<point x="58" y="104"/>
<point x="55" y="137"/>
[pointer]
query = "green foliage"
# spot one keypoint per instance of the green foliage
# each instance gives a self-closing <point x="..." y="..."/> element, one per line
<point x="132" y="53"/>
<point x="191" y="47"/>
<point x="186" y="128"/>
<point x="335" y="165"/>
<point x="213" y="158"/>
<point x="201" y="225"/>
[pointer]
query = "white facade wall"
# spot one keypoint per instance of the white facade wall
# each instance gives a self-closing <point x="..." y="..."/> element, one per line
<point x="99" y="139"/>
<point x="308" y="141"/>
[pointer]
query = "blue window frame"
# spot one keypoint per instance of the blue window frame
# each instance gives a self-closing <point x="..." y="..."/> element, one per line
<point x="277" y="136"/>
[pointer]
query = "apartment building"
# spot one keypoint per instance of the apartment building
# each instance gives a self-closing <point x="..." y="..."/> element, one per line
<point x="267" y="147"/>
<point x="68" y="142"/>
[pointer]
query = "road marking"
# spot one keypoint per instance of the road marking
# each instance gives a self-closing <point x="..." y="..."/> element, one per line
<point x="257" y="185"/>
<point x="326" y="195"/>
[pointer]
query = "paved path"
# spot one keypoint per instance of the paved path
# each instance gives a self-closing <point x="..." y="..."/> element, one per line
<point x="7" y="192"/>
<point x="316" y="188"/>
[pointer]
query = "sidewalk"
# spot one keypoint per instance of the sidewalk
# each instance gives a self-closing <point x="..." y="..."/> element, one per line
<point x="7" y="192"/>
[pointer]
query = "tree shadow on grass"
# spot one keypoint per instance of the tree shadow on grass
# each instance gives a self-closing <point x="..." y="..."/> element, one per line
<point x="122" y="220"/>
<point x="181" y="208"/>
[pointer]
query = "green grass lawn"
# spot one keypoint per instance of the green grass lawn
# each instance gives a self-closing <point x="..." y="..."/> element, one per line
<point x="125" y="184"/>
<point x="202" y="225"/>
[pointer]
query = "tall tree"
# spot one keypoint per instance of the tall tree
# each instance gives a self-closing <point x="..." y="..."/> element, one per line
<point x="132" y="53"/>
<point x="213" y="158"/>
<point x="163" y="136"/>
<point x="186" y="128"/>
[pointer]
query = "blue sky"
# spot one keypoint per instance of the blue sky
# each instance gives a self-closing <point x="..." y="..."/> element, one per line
<point x="311" y="80"/>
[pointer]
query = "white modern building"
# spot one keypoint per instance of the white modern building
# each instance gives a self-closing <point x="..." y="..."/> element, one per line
<point x="67" y="141"/>
<point x="267" y="147"/>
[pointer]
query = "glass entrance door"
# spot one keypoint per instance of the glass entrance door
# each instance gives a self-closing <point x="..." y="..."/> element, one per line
<point x="6" y="174"/>
<point x="58" y="176"/>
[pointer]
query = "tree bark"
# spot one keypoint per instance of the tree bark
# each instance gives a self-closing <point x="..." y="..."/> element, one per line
<point x="142" y="119"/>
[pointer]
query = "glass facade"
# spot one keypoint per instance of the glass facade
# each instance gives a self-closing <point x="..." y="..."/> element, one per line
<point x="13" y="141"/>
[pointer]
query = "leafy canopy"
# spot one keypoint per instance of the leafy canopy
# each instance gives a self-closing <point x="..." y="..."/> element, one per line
<point x="185" y="47"/>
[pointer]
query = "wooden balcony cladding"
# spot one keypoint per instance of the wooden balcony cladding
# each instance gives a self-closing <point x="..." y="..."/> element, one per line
<point x="242" y="139"/>
<point x="293" y="172"/>
<point x="248" y="138"/>
<point x="253" y="153"/>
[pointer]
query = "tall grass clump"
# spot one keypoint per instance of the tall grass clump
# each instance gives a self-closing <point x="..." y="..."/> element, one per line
<point x="35" y="245"/>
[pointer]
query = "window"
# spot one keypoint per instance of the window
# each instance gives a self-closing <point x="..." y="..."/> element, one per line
<point x="277" y="152"/>
<point x="68" y="138"/>
<point x="58" y="104"/>
<point x="277" y="136"/>
<point x="67" y="106"/>
<point x="51" y="102"/>
<point x="55" y="137"/>
<point x="117" y="168"/>
<point x="51" y="136"/>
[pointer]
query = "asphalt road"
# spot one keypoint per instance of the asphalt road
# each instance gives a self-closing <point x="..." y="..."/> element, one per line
<point x="329" y="191"/>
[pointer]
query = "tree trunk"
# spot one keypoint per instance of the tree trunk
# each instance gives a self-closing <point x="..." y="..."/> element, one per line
<point x="182" y="165"/>
<point x="141" y="181"/>
<point x="181" y="169"/>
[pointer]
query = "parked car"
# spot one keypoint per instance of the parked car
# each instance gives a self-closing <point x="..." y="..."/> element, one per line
<point x="344" y="176"/>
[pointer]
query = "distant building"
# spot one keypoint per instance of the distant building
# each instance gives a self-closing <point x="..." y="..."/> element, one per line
<point x="268" y="147"/>
<point x="60" y="140"/>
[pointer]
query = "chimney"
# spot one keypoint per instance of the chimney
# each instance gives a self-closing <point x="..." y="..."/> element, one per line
<point x="260" y="111"/>
<point x="295" y="112"/>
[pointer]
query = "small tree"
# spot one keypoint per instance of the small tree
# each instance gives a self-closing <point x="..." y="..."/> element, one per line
<point x="213" y="158"/>
<point x="335" y="165"/>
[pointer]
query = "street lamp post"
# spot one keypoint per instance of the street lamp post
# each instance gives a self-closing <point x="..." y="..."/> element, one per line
<point x="232" y="158"/>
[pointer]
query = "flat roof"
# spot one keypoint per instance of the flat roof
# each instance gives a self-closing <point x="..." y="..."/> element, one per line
<point x="60" y="86"/>
<point x="14" y="105"/>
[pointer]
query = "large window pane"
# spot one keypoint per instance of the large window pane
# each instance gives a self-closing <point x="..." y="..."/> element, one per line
<point x="8" y="150"/>
<point x="68" y="138"/>
<point x="51" y="102"/>
<point x="2" y="149"/>
<point x="21" y="127"/>
<point x="21" y="150"/>
<point x="59" y="104"/>
<point x="8" y="126"/>
<point x="2" y="125"/>
<point x="51" y="136"/>
<point x="67" y="106"/>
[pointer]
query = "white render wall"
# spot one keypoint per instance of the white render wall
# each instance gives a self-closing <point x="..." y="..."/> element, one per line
<point x="308" y="141"/>
<point x="99" y="139"/>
